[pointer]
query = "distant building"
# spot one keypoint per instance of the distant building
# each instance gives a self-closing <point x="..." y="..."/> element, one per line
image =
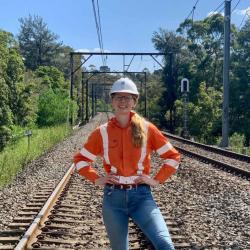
<point x="104" y="69"/>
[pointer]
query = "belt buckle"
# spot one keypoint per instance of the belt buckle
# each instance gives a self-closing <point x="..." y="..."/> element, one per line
<point x="130" y="186"/>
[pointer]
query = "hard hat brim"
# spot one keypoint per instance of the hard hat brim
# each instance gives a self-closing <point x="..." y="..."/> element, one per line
<point x="124" y="91"/>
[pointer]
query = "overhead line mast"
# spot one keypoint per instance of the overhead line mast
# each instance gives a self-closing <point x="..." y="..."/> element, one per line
<point x="225" y="114"/>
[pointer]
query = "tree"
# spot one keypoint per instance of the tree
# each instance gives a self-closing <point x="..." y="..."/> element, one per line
<point x="15" y="74"/>
<point x="62" y="60"/>
<point x="7" y="47"/>
<point x="38" y="44"/>
<point x="205" y="42"/>
<point x="51" y="77"/>
<point x="170" y="43"/>
<point x="205" y="115"/>
<point x="240" y="84"/>
<point x="53" y="108"/>
<point x="6" y="116"/>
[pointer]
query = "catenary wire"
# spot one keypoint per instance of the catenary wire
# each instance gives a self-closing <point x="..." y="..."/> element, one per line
<point x="100" y="27"/>
<point x="246" y="14"/>
<point x="235" y="6"/>
<point x="219" y="7"/>
<point x="192" y="11"/>
<point x="98" y="30"/>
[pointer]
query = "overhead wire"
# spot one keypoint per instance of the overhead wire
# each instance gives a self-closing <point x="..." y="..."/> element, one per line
<point x="222" y="3"/>
<point x="98" y="29"/>
<point x="235" y="6"/>
<point x="100" y="26"/>
<point x="246" y="14"/>
<point x="192" y="11"/>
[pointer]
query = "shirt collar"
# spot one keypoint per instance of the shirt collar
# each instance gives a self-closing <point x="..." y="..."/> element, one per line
<point x="116" y="123"/>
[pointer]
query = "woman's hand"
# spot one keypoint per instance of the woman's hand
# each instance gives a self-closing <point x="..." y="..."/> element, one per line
<point x="110" y="178"/>
<point x="147" y="180"/>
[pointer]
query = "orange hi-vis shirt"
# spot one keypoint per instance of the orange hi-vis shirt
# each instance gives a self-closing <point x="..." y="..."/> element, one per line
<point x="121" y="157"/>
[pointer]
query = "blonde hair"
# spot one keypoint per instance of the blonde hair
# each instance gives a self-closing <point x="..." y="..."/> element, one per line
<point x="137" y="131"/>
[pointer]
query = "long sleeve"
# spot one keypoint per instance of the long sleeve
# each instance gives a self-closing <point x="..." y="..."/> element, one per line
<point x="83" y="159"/>
<point x="166" y="151"/>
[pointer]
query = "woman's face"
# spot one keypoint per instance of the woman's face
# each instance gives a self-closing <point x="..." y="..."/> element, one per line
<point x="123" y="103"/>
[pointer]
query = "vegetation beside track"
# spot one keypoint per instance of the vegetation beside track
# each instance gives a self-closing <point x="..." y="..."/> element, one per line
<point x="16" y="155"/>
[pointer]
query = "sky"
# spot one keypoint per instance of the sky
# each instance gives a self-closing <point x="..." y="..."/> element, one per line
<point x="127" y="25"/>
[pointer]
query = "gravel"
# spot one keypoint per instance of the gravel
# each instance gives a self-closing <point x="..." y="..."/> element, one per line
<point x="212" y="207"/>
<point x="50" y="167"/>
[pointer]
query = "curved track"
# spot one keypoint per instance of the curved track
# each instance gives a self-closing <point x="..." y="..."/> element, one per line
<point x="224" y="159"/>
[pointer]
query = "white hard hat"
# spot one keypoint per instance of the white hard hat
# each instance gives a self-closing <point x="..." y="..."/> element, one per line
<point x="124" y="85"/>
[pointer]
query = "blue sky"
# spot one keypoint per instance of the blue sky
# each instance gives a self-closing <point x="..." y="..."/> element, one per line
<point x="127" y="25"/>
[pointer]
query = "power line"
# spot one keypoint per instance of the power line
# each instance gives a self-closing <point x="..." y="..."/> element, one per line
<point x="192" y="11"/>
<point x="98" y="28"/>
<point x="222" y="3"/>
<point x="235" y="6"/>
<point x="246" y="14"/>
<point x="218" y="8"/>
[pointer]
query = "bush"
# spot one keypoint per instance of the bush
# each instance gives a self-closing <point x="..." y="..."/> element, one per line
<point x="53" y="108"/>
<point x="237" y="140"/>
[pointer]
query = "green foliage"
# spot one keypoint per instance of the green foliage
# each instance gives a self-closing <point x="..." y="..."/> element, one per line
<point x="51" y="77"/>
<point x="15" y="156"/>
<point x="205" y="115"/>
<point x="236" y="140"/>
<point x="240" y="84"/>
<point x="6" y="41"/>
<point x="199" y="57"/>
<point x="62" y="61"/>
<point x="11" y="69"/>
<point x="37" y="43"/>
<point x="101" y="105"/>
<point x="26" y="104"/>
<point x="53" y="108"/>
<point x="154" y="87"/>
<point x="15" y="66"/>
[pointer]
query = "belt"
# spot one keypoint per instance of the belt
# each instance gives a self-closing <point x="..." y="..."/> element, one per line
<point x="126" y="186"/>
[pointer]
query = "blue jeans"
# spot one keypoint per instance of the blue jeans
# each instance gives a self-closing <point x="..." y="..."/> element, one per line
<point x="138" y="204"/>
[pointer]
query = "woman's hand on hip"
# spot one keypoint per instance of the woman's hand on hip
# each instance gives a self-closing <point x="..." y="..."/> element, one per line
<point x="110" y="178"/>
<point x="146" y="180"/>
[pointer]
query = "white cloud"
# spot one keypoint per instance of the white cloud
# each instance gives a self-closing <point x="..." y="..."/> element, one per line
<point x="99" y="50"/>
<point x="82" y="50"/>
<point x="214" y="12"/>
<point x="243" y="12"/>
<point x="89" y="50"/>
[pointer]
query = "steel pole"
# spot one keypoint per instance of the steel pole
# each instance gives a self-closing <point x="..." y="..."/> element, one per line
<point x="225" y="115"/>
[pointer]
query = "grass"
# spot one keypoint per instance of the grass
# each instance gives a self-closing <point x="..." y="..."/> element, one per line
<point x="241" y="150"/>
<point x="15" y="156"/>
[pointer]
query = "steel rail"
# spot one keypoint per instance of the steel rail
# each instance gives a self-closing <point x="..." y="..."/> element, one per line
<point x="41" y="216"/>
<point x="240" y="171"/>
<point x="225" y="152"/>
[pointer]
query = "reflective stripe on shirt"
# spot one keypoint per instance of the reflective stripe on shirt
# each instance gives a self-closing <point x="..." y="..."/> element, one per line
<point x="165" y="148"/>
<point x="104" y="134"/>
<point x="81" y="164"/>
<point x="105" y="140"/>
<point x="171" y="163"/>
<point x="84" y="152"/>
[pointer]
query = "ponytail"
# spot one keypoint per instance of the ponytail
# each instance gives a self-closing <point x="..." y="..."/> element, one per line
<point x="137" y="130"/>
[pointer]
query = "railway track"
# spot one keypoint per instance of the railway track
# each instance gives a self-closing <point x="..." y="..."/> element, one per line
<point x="229" y="161"/>
<point x="71" y="219"/>
<point x="74" y="220"/>
<point x="244" y="158"/>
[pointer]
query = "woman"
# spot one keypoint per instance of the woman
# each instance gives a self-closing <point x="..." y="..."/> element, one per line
<point x="125" y="143"/>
